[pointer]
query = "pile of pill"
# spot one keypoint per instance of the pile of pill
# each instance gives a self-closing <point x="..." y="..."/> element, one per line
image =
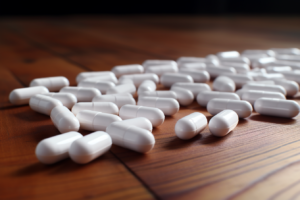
<point x="103" y="101"/>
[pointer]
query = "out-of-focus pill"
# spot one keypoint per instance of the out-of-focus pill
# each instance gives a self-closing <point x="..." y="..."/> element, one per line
<point x="169" y="79"/>
<point x="52" y="83"/>
<point x="56" y="148"/>
<point x="294" y="65"/>
<point x="198" y="76"/>
<point x="67" y="99"/>
<point x="90" y="147"/>
<point x="154" y="115"/>
<point x="235" y="60"/>
<point x="162" y="93"/>
<point x="124" y="88"/>
<point x="105" y="107"/>
<point x="139" y="78"/>
<point x="258" y="52"/>
<point x="146" y="86"/>
<point x="292" y="76"/>
<point x="184" y="97"/>
<point x="215" y="71"/>
<point x="21" y="96"/>
<point x="273" y="76"/>
<point x="102" y="86"/>
<point x="223" y="123"/>
<point x="118" y="100"/>
<point x="183" y="60"/>
<point x="204" y="97"/>
<point x="269" y="88"/>
<point x="125" y="81"/>
<point x="190" y="125"/>
<point x="212" y="60"/>
<point x="262" y="62"/>
<point x="275" y="69"/>
<point x="239" y="79"/>
<point x="195" y="88"/>
<point x="291" y="87"/>
<point x="228" y="54"/>
<point x="148" y="63"/>
<point x="83" y="75"/>
<point x="161" y="69"/>
<point x="43" y="104"/>
<point x="82" y="94"/>
<point x="109" y="77"/>
<point x="240" y="92"/>
<point x="140" y="122"/>
<point x="252" y="95"/>
<point x="127" y="69"/>
<point x="223" y="84"/>
<point x="64" y="120"/>
<point x="241" y="68"/>
<point x="266" y="82"/>
<point x="293" y="58"/>
<point x="193" y="66"/>
<point x="277" y="107"/>
<point x="289" y="51"/>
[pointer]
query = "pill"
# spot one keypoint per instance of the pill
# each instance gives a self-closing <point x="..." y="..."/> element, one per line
<point x="193" y="66"/>
<point x="105" y="107"/>
<point x="190" y="125"/>
<point x="53" y="84"/>
<point x="291" y="87"/>
<point x="258" y="52"/>
<point x="198" y="76"/>
<point x="262" y="62"/>
<point x="43" y="104"/>
<point x="223" y="123"/>
<point x="184" y="97"/>
<point x="195" y="88"/>
<point x="118" y="100"/>
<point x="64" y="120"/>
<point x="240" y="92"/>
<point x="90" y="147"/>
<point x="82" y="94"/>
<point x="140" y="122"/>
<point x="205" y="96"/>
<point x="215" y="71"/>
<point x="269" y="88"/>
<point x="182" y="60"/>
<point x="223" y="84"/>
<point x="289" y="51"/>
<point x="239" y="79"/>
<point x="294" y="65"/>
<point x="56" y="148"/>
<point x="212" y="59"/>
<point x="120" y="94"/>
<point x="161" y="69"/>
<point x="235" y="60"/>
<point x="148" y="63"/>
<point x="124" y="88"/>
<point x="240" y="68"/>
<point x="95" y="121"/>
<point x="21" y="96"/>
<point x="125" y="81"/>
<point x="131" y="137"/>
<point x="228" y="54"/>
<point x="146" y="85"/>
<point x="169" y="79"/>
<point x="154" y="115"/>
<point x="277" y="107"/>
<point x="169" y="106"/>
<point x="294" y="58"/>
<point x="275" y="69"/>
<point x="242" y="108"/>
<point x="162" y="93"/>
<point x="252" y="95"/>
<point x="102" y="86"/>
<point x="83" y="75"/>
<point x="67" y="99"/>
<point x="273" y="76"/>
<point x="266" y="82"/>
<point x="292" y="76"/>
<point x="139" y="78"/>
<point x="127" y="69"/>
<point x="254" y="57"/>
<point x="108" y="77"/>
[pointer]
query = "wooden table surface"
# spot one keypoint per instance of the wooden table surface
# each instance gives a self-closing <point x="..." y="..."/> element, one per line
<point x="260" y="159"/>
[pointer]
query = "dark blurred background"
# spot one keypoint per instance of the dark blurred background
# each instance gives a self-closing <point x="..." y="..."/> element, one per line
<point x="55" y="7"/>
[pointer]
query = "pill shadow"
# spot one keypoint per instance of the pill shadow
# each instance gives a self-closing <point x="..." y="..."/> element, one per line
<point x="44" y="131"/>
<point x="31" y="116"/>
<point x="69" y="166"/>
<point x="272" y="119"/>
<point x="33" y="169"/>
<point x="177" y="143"/>
<point x="242" y="121"/>
<point x="211" y="139"/>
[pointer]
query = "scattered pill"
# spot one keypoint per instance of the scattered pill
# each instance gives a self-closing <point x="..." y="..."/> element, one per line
<point x="184" y="97"/>
<point x="183" y="60"/>
<point x="139" y="78"/>
<point x="125" y="81"/>
<point x="273" y="76"/>
<point x="21" y="96"/>
<point x="224" y="84"/>
<point x="215" y="71"/>
<point x="146" y="85"/>
<point x="161" y="69"/>
<point x="292" y="76"/>
<point x="169" y="79"/>
<point x="252" y="95"/>
<point x="198" y="76"/>
<point x="228" y="54"/>
<point x="127" y="69"/>
<point x="140" y="122"/>
<point x="262" y="62"/>
<point x="148" y="63"/>
<point x="195" y="88"/>
<point x="64" y="120"/>
<point x="275" y="69"/>
<point x="289" y="51"/>
<point x="258" y="52"/>
<point x="83" y="75"/>
<point x="105" y="107"/>
<point x="102" y="86"/>
<point x="161" y="93"/>
<point x="269" y="88"/>
<point x="108" y="77"/>
<point x="240" y="68"/>
<point x="169" y="106"/>
<point x="67" y="99"/>
<point x="235" y="60"/>
<point x="291" y="87"/>
<point x="124" y="88"/>
<point x="118" y="100"/>
<point x="193" y="66"/>
<point x="204" y="97"/>
<point x="239" y="79"/>
<point x="53" y="84"/>
<point x="82" y="94"/>
<point x="43" y="104"/>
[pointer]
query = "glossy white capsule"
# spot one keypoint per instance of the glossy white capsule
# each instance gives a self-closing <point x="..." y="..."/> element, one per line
<point x="161" y="69"/>
<point x="169" y="79"/>
<point x="235" y="60"/>
<point x="146" y="86"/>
<point x="161" y="93"/>
<point x="127" y="69"/>
<point x="252" y="95"/>
<point x="223" y="123"/>
<point x="198" y="76"/>
<point x="56" y="148"/>
<point x="193" y="66"/>
<point x="291" y="87"/>
<point x="266" y="82"/>
<point x="204" y="97"/>
<point x="190" y="125"/>
<point x="83" y="75"/>
<point x="241" y="68"/>
<point x="223" y="84"/>
<point x="169" y="106"/>
<point x="292" y="76"/>
<point x="277" y="107"/>
<point x="82" y="94"/>
<point x="64" y="120"/>
<point x="289" y="51"/>
<point x="125" y="81"/>
<point x="195" y="88"/>
<point x="53" y="84"/>
<point x="108" y="77"/>
<point x="131" y="137"/>
<point x="105" y="107"/>
<point x="148" y="63"/>
<point x="154" y="115"/>
<point x="95" y="121"/>
<point x="140" y="122"/>
<point x="118" y="100"/>
<point x="228" y="54"/>
<point x="67" y="99"/>
<point x="239" y="79"/>
<point x="183" y="60"/>
<point x="43" y="104"/>
<point x="293" y="58"/>
<point x="215" y="71"/>
<point x="212" y="60"/>
<point x="124" y="88"/>
<point x="273" y="76"/>
<point x="242" y="108"/>
<point x="266" y="53"/>
<point x="184" y="97"/>
<point x="21" y="96"/>
<point x="294" y="65"/>
<point x="275" y="69"/>
<point x="139" y="78"/>
<point x="90" y="147"/>
<point x="263" y="87"/>
<point x="102" y="86"/>
<point x="262" y="62"/>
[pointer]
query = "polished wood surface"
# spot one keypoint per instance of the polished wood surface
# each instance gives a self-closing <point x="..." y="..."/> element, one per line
<point x="260" y="159"/>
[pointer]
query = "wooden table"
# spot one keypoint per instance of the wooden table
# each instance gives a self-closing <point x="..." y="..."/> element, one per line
<point x="260" y="159"/>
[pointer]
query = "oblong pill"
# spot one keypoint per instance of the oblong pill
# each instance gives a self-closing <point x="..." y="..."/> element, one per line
<point x="276" y="69"/>
<point x="223" y="84"/>
<point x="105" y="107"/>
<point x="169" y="79"/>
<point x="161" y="69"/>
<point x="146" y="85"/>
<point x="204" y="97"/>
<point x="183" y="60"/>
<point x="127" y="69"/>
<point x="240" y="68"/>
<point x="292" y="76"/>
<point x="291" y="87"/>
<point x="53" y="84"/>
<point x="252" y="95"/>
<point x="184" y="97"/>
<point x="64" y="120"/>
<point x="269" y="88"/>
<point x="239" y="79"/>
<point x="215" y="71"/>
<point x="67" y="99"/>
<point x="102" y="86"/>
<point x="82" y="94"/>
<point x="116" y="99"/>
<point x="273" y="76"/>
<point x="169" y="106"/>
<point x="195" y="88"/>
<point x="124" y="88"/>
<point x="125" y="81"/>
<point x="108" y="77"/>
<point x="228" y="54"/>
<point x="43" y="104"/>
<point x="148" y="63"/>
<point x="162" y="93"/>
<point x="140" y="122"/>
<point x="235" y="60"/>
<point x="199" y="66"/>
<point x="83" y="75"/>
<point x="198" y="76"/>
<point x="288" y="51"/>
<point x="139" y="78"/>
<point x="21" y="96"/>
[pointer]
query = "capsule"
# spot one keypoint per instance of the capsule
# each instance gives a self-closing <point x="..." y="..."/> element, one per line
<point x="102" y="86"/>
<point x="240" y="68"/>
<point x="161" y="69"/>
<point x="131" y="137"/>
<point x="293" y="58"/>
<point x="118" y="100"/>
<point x="198" y="76"/>
<point x="83" y="75"/>
<point x="277" y="107"/>
<point x="212" y="60"/>
<point x="184" y="97"/>
<point x="82" y="94"/>
<point x="275" y="69"/>
<point x="43" y="104"/>
<point x="56" y="148"/>
<point x="169" y="106"/>
<point x="291" y="87"/>
<point x="169" y="79"/>
<point x="223" y="84"/>
<point x="148" y="63"/>
<point x="21" y="96"/>
<point x="139" y="78"/>
<point x="288" y="51"/>
<point x="268" y="88"/>
<point x="124" y="88"/>
<point x="105" y="107"/>
<point x="273" y="76"/>
<point x="90" y="147"/>
<point x="292" y="76"/>
<point x="53" y="84"/>
<point x="228" y="54"/>
<point x="215" y="71"/>
<point x="183" y="60"/>
<point x="95" y="121"/>
<point x="140" y="122"/>
<point x="108" y="77"/>
<point x="235" y="60"/>
<point x="262" y="62"/>
<point x="223" y="123"/>
<point x="292" y="64"/>
<point x="162" y="93"/>
<point x="252" y="95"/>
<point x="67" y="99"/>
<point x="125" y="81"/>
<point x="266" y="53"/>
<point x="154" y="115"/>
<point x="240" y="92"/>
<point x="64" y="120"/>
<point x="127" y="69"/>
<point x="204" y="97"/>
<point x="193" y="66"/>
<point x="239" y="79"/>
<point x="146" y="86"/>
<point x="190" y="125"/>
<point x="266" y="82"/>
<point x="195" y="88"/>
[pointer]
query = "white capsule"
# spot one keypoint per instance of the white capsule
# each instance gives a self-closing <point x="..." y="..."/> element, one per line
<point x="148" y="63"/>
<point x="90" y="147"/>
<point x="118" y="100"/>
<point x="127" y="69"/>
<point x="120" y="94"/>
<point x="105" y="107"/>
<point x="241" y="68"/>
<point x="52" y="83"/>
<point x="239" y="79"/>
<point x="161" y="69"/>
<point x="254" y="57"/>
<point x="198" y="76"/>
<point x="262" y="62"/>
<point x="190" y="125"/>
<point x="277" y="107"/>
<point x="82" y="94"/>
<point x="223" y="84"/>
<point x="292" y="76"/>
<point x="266" y="82"/>
<point x="235" y="60"/>
<point x="154" y="115"/>
<point x="43" y="104"/>
<point x="95" y="121"/>
<point x="273" y="76"/>
<point x="169" y="79"/>
<point x="183" y="60"/>
<point x="102" y="86"/>
<point x="252" y="95"/>
<point x="184" y="97"/>
<point x="240" y="92"/>
<point x="146" y="86"/>
<point x="169" y="106"/>
<point x="139" y="78"/>
<point x="228" y="54"/>
<point x="204" y="97"/>
<point x="193" y="66"/>
<point x="131" y="137"/>
<point x="67" y="99"/>
<point x="291" y="87"/>
<point x="242" y="108"/>
<point x="289" y="51"/>
<point x="258" y="52"/>
<point x="269" y="88"/>
<point x="108" y="77"/>
<point x="215" y="71"/>
<point x="125" y="81"/>
<point x="124" y="88"/>
<point x="276" y="69"/>
<point x="294" y="65"/>
<point x="293" y="58"/>
<point x="140" y="122"/>
<point x="161" y="93"/>
<point x="212" y="59"/>
<point x="223" y="123"/>
<point x="56" y="148"/>
<point x="195" y="88"/>
<point x="64" y="120"/>
<point x="83" y="75"/>
<point x="21" y="96"/>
